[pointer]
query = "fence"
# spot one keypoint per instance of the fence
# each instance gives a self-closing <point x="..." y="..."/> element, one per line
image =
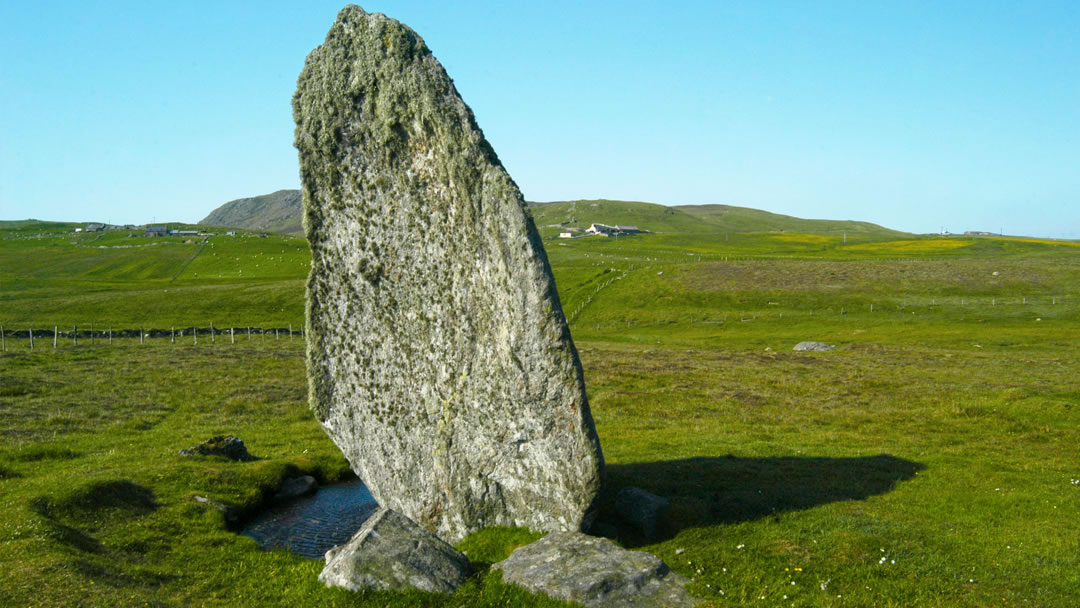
<point x="35" y="336"/>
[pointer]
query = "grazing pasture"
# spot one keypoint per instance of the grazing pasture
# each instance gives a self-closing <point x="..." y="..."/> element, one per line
<point x="930" y="459"/>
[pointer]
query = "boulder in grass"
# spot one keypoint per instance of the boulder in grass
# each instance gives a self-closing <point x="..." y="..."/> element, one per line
<point x="596" y="572"/>
<point x="817" y="347"/>
<point x="228" y="446"/>
<point x="392" y="553"/>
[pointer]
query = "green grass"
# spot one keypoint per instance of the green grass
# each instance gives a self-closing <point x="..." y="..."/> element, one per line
<point x="929" y="460"/>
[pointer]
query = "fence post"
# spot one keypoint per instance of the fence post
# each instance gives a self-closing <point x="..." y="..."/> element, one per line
<point x="75" y="334"/>
<point x="110" y="335"/>
<point x="249" y="333"/>
<point x="172" y="336"/>
<point x="290" y="332"/>
<point x="55" y="334"/>
<point x="195" y="335"/>
<point x="213" y="338"/>
<point x="31" y="339"/>
<point x="142" y="334"/>
<point x="232" y="338"/>
<point x="275" y="333"/>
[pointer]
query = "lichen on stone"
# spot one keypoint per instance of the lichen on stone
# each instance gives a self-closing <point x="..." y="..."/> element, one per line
<point x="439" y="359"/>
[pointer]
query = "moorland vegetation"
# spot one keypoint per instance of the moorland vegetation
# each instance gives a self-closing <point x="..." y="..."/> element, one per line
<point x="929" y="460"/>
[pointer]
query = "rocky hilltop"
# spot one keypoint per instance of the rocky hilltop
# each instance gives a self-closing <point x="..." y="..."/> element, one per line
<point x="276" y="212"/>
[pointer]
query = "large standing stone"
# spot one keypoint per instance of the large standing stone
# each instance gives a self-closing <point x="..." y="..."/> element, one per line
<point x="439" y="359"/>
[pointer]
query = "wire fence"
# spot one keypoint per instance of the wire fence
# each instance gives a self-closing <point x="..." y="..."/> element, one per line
<point x="54" y="337"/>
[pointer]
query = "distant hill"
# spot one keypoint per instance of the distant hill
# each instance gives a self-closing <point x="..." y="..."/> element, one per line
<point x="554" y="217"/>
<point x="744" y="219"/>
<point x="281" y="212"/>
<point x="277" y="212"/>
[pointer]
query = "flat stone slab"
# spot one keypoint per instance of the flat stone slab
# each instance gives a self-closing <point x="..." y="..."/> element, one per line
<point x="811" y="346"/>
<point x="392" y="552"/>
<point x="594" y="571"/>
<point x="439" y="358"/>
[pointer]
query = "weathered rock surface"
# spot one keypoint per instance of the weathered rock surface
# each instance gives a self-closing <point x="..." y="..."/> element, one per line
<point x="222" y="445"/>
<point x="819" y="347"/>
<point x="392" y="552"/>
<point x="594" y="571"/>
<point x="640" y="508"/>
<point x="439" y="359"/>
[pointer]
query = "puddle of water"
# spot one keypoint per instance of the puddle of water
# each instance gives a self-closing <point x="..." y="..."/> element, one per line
<point x="310" y="526"/>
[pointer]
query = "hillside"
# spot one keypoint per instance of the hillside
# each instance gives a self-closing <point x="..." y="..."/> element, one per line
<point x="276" y="212"/>
<point x="281" y="212"/>
<point x="555" y="217"/>
<point x="744" y="219"/>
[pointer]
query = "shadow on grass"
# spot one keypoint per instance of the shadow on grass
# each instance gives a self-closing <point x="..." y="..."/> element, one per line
<point x="725" y="490"/>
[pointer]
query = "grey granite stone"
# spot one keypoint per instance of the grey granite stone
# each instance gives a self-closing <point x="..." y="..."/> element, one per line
<point x="392" y="552"/>
<point x="439" y="359"/>
<point x="594" y="571"/>
<point x="811" y="346"/>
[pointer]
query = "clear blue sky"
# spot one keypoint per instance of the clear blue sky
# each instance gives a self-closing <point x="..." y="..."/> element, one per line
<point x="918" y="116"/>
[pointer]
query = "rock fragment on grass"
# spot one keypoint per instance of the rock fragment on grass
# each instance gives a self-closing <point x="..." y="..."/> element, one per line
<point x="810" y="346"/>
<point x="392" y="553"/>
<point x="228" y="446"/>
<point x="596" y="572"/>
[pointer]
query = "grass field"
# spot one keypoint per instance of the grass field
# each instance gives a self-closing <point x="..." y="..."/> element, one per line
<point x="930" y="460"/>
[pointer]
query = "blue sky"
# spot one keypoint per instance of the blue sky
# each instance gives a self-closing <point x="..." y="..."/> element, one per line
<point x="917" y="116"/>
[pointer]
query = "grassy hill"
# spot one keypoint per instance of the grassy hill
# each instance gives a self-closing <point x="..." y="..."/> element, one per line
<point x="554" y="217"/>
<point x="744" y="219"/>
<point x="281" y="211"/>
<point x="276" y="212"/>
<point x="928" y="460"/>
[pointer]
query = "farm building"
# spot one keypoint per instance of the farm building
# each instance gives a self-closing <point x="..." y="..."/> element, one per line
<point x="157" y="230"/>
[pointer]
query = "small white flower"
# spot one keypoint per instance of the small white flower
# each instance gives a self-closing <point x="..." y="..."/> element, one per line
<point x="740" y="546"/>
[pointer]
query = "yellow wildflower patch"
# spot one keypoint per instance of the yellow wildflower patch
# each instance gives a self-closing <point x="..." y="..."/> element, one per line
<point x="910" y="246"/>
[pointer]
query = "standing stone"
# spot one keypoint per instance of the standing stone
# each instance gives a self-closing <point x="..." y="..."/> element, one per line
<point x="439" y="359"/>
